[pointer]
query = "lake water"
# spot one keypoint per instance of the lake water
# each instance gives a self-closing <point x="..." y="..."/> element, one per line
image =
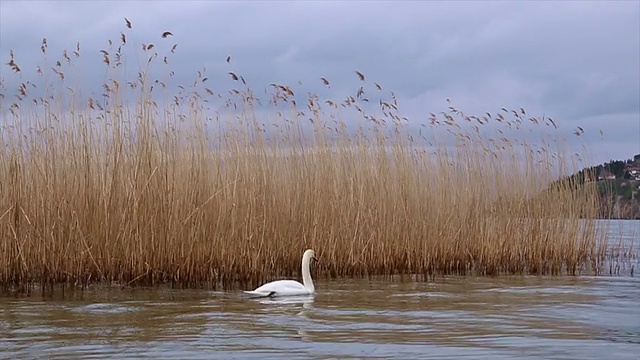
<point x="504" y="317"/>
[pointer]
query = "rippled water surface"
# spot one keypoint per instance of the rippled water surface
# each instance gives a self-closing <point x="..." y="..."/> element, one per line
<point x="504" y="317"/>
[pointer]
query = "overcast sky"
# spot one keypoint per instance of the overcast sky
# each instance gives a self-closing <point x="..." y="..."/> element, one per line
<point x="577" y="62"/>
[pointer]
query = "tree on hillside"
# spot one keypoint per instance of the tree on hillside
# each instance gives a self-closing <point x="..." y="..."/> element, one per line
<point x="615" y="167"/>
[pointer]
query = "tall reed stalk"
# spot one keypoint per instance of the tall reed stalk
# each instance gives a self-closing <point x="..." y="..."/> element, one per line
<point x="148" y="185"/>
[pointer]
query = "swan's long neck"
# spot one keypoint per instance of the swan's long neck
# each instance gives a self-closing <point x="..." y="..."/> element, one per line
<point x="306" y="274"/>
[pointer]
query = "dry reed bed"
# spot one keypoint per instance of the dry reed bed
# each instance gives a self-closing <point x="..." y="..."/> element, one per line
<point x="148" y="191"/>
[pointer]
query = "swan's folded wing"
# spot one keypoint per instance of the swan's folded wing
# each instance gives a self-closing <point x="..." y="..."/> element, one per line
<point x="279" y="288"/>
<point x="280" y="285"/>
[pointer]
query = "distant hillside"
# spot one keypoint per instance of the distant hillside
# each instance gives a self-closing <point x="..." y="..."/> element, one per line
<point x="618" y="184"/>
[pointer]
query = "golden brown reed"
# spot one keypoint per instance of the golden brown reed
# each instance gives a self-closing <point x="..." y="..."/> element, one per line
<point x="172" y="188"/>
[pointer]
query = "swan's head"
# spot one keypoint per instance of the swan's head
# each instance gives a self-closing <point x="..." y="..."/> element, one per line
<point x="310" y="254"/>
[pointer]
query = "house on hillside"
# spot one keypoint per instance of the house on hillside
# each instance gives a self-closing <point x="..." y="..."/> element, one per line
<point x="633" y="170"/>
<point x="606" y="175"/>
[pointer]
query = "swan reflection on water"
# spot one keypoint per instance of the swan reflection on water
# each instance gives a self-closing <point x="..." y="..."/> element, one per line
<point x="298" y="307"/>
<point x="305" y="301"/>
<point x="291" y="302"/>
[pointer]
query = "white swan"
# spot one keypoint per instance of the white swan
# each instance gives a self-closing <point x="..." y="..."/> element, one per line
<point x="289" y="287"/>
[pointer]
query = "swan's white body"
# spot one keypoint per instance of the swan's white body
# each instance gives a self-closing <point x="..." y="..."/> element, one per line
<point x="289" y="287"/>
